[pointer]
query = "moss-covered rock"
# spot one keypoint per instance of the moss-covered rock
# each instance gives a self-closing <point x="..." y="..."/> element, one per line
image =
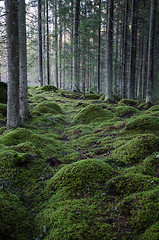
<point x="129" y="102"/>
<point x="130" y="183"/>
<point x="15" y="222"/>
<point x="93" y="113"/>
<point x="48" y="88"/>
<point x="141" y="210"/>
<point x="3" y="109"/>
<point x="151" y="163"/>
<point x="37" y="99"/>
<point x="75" y="219"/>
<point x="3" y="92"/>
<point x="81" y="177"/>
<point x="144" y="106"/>
<point x="47" y="107"/>
<point x="153" y="109"/>
<point x="137" y="149"/>
<point x="69" y="94"/>
<point x="91" y="96"/>
<point x="151" y="233"/>
<point x="143" y="123"/>
<point x="125" y="111"/>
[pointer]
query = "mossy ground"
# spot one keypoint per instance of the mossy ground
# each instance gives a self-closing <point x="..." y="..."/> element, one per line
<point x="80" y="169"/>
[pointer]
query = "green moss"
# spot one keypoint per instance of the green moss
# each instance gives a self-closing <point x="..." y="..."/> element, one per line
<point x="3" y="92"/>
<point x="91" y="96"/>
<point x="130" y="183"/>
<point x="135" y="150"/>
<point x="81" y="177"/>
<point x="144" y="106"/>
<point x="93" y="113"/>
<point x="69" y="94"/>
<point x="75" y="219"/>
<point x="47" y="107"/>
<point x="48" y="88"/>
<point x="129" y="102"/>
<point x="143" y="123"/>
<point x="125" y="111"/>
<point x="15" y="222"/>
<point x="141" y="210"/>
<point x="37" y="99"/>
<point x="3" y="109"/>
<point x="153" y="109"/>
<point x="151" y="163"/>
<point x="151" y="233"/>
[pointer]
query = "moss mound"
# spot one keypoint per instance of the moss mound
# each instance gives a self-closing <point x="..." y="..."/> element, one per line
<point x="143" y="123"/>
<point x="37" y="99"/>
<point x="151" y="233"/>
<point x="141" y="210"/>
<point x="151" y="163"/>
<point x="72" y="95"/>
<point x="130" y="183"/>
<point x="137" y="149"/>
<point x="3" y="109"/>
<point x="47" y="107"/>
<point x="92" y="96"/>
<point x="126" y="111"/>
<point x="81" y="177"/>
<point x="144" y="106"/>
<point x="153" y="109"/>
<point x="3" y="92"/>
<point x="14" y="219"/>
<point x="48" y="88"/>
<point x="93" y="113"/>
<point x="129" y="102"/>
<point x="75" y="219"/>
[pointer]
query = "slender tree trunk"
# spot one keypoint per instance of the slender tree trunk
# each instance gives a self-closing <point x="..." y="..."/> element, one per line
<point x="76" y="46"/>
<point x="40" y="45"/>
<point x="124" y="67"/>
<point x="140" y="82"/>
<point x="48" y="43"/>
<point x="60" y="48"/>
<point x="0" y="72"/>
<point x="44" y="44"/>
<point x="145" y="65"/>
<point x="13" y="114"/>
<point x="109" y="52"/>
<point x="23" y="86"/>
<point x="132" y="68"/>
<point x="56" y="44"/>
<point x="72" y="42"/>
<point x="99" y="48"/>
<point x="149" y="93"/>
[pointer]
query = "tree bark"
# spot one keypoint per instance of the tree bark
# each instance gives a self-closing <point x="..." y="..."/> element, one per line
<point x="99" y="48"/>
<point x="76" y="47"/>
<point x="23" y="86"/>
<point x="132" y="68"/>
<point x="109" y="49"/>
<point x="56" y="45"/>
<point x="40" y="45"/>
<point x="48" y="43"/>
<point x="13" y="115"/>
<point x="149" y="93"/>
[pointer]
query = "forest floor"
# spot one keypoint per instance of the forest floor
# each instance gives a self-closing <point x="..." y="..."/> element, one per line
<point x="80" y="169"/>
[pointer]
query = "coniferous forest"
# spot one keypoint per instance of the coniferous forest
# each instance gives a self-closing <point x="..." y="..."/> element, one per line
<point x="79" y="120"/>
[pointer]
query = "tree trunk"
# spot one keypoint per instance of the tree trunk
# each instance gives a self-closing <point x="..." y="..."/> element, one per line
<point x="109" y="52"/>
<point x="40" y="45"/>
<point x="132" y="68"/>
<point x="56" y="45"/>
<point x="125" y="51"/>
<point x="48" y="43"/>
<point x="13" y="115"/>
<point x="60" y="48"/>
<point x="76" y="47"/>
<point x="99" y="48"/>
<point x="23" y="86"/>
<point x="149" y="93"/>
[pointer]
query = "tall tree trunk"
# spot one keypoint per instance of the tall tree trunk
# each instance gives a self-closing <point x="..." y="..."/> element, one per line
<point x="13" y="115"/>
<point x="132" y="68"/>
<point x="124" y="67"/>
<point x="99" y="48"/>
<point x="60" y="47"/>
<point x="56" y="45"/>
<point x="48" y="43"/>
<point x="23" y="87"/>
<point x="72" y="42"/>
<point x="140" y="82"/>
<point x="149" y="93"/>
<point x="0" y="72"/>
<point x="109" y="52"/>
<point x="40" y="45"/>
<point x="76" y="47"/>
<point x="44" y="43"/>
